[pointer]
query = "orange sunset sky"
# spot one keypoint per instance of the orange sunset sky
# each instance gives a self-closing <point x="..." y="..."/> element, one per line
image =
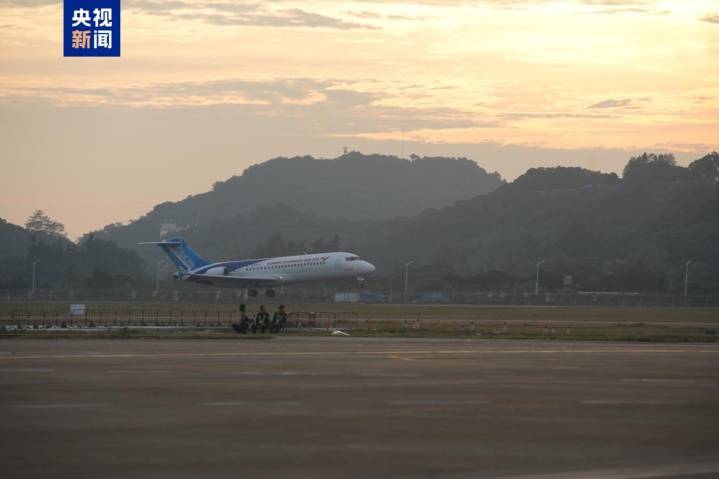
<point x="205" y="88"/>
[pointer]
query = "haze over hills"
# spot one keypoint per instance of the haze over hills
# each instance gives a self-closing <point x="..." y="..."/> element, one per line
<point x="633" y="233"/>
<point x="354" y="187"/>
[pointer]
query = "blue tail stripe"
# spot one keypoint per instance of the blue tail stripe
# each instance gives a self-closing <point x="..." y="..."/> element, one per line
<point x="184" y="257"/>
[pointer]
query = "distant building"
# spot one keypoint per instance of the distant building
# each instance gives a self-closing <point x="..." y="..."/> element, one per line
<point x="171" y="228"/>
<point x="351" y="297"/>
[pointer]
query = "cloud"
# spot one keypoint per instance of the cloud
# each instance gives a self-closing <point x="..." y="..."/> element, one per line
<point x="711" y="19"/>
<point x="612" y="103"/>
<point x="331" y="107"/>
<point x="244" y="14"/>
<point x="29" y="3"/>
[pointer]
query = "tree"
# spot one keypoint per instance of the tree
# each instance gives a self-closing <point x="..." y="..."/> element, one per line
<point x="706" y="168"/>
<point x="653" y="167"/>
<point x="39" y="222"/>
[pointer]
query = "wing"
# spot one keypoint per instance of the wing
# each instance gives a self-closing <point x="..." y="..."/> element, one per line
<point x="235" y="281"/>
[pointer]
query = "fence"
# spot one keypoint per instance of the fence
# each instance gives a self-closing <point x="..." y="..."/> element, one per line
<point x="29" y="319"/>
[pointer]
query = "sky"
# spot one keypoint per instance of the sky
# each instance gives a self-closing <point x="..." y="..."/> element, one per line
<point x="206" y="88"/>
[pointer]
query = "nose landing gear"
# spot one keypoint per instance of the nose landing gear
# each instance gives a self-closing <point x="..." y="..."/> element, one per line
<point x="360" y="282"/>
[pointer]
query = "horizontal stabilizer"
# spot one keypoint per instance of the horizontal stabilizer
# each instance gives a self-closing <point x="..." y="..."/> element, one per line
<point x="161" y="242"/>
<point x="180" y="253"/>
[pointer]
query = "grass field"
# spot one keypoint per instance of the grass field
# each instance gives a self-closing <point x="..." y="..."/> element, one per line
<point x="452" y="321"/>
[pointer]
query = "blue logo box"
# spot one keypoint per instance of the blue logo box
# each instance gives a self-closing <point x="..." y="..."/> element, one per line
<point x="91" y="28"/>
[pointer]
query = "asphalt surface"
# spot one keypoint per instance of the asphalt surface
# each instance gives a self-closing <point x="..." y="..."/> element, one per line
<point x="346" y="407"/>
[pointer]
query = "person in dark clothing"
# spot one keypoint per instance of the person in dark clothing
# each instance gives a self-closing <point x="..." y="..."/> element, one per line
<point x="262" y="321"/>
<point x="244" y="325"/>
<point x="279" y="319"/>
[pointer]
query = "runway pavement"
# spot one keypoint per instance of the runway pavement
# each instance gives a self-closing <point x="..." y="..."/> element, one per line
<point x="349" y="407"/>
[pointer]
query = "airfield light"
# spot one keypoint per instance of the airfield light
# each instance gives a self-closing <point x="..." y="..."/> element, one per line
<point x="686" y="277"/>
<point x="157" y="277"/>
<point x="34" y="267"/>
<point x="536" y="281"/>
<point x="406" y="277"/>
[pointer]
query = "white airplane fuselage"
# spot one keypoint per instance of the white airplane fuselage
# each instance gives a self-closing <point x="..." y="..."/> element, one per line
<point x="284" y="270"/>
<point x="264" y="272"/>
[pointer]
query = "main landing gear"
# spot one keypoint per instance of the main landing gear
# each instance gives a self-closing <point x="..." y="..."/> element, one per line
<point x="270" y="293"/>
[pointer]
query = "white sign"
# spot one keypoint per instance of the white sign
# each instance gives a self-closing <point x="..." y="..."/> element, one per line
<point x="77" y="310"/>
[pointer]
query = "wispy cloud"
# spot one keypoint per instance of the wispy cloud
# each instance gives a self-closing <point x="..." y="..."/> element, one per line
<point x="333" y="106"/>
<point x="711" y="18"/>
<point x="245" y="14"/>
<point x="612" y="103"/>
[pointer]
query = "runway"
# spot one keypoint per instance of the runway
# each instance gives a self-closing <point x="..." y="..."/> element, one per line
<point x="349" y="407"/>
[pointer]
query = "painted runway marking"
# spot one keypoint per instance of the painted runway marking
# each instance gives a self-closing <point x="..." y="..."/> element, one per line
<point x="251" y="403"/>
<point x="681" y="382"/>
<point x="272" y="373"/>
<point x="135" y="371"/>
<point x="63" y="405"/>
<point x="438" y="352"/>
<point x="400" y="358"/>
<point x="26" y="370"/>
<point x="614" y="402"/>
<point x="436" y="402"/>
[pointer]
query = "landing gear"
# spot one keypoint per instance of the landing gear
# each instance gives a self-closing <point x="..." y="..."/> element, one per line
<point x="270" y="293"/>
<point x="252" y="293"/>
<point x="360" y="283"/>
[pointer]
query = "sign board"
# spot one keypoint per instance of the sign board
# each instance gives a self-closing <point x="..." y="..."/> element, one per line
<point x="342" y="297"/>
<point x="77" y="310"/>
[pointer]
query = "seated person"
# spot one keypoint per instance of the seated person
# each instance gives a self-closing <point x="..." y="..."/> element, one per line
<point x="262" y="321"/>
<point x="279" y="319"/>
<point x="244" y="325"/>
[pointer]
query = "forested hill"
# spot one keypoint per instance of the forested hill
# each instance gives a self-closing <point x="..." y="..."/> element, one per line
<point x="611" y="233"/>
<point x="631" y="234"/>
<point x="92" y="264"/>
<point x="16" y="240"/>
<point x="351" y="187"/>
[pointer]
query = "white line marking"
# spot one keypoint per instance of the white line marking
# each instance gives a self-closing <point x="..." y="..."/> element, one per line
<point x="135" y="371"/>
<point x="26" y="370"/>
<point x="435" y="402"/>
<point x="63" y="405"/>
<point x="661" y="381"/>
<point x="614" y="402"/>
<point x="251" y="403"/>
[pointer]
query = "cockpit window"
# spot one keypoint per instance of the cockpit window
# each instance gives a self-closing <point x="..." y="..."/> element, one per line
<point x="352" y="258"/>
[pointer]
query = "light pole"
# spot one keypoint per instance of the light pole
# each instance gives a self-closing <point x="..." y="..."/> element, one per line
<point x="34" y="265"/>
<point x="406" y="278"/>
<point x="686" y="277"/>
<point x="536" y="280"/>
<point x="157" y="277"/>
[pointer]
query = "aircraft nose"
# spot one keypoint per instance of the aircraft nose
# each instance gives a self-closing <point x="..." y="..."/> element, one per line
<point x="369" y="267"/>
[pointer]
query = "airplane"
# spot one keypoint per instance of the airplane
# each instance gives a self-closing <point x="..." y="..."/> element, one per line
<point x="263" y="273"/>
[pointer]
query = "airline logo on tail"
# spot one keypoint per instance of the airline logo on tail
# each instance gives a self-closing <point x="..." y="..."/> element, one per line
<point x="180" y="253"/>
<point x="179" y="256"/>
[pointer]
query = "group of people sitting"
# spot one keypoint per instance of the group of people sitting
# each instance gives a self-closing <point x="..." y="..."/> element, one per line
<point x="262" y="322"/>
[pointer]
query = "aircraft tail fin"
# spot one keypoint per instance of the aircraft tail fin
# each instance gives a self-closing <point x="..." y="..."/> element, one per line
<point x="184" y="257"/>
